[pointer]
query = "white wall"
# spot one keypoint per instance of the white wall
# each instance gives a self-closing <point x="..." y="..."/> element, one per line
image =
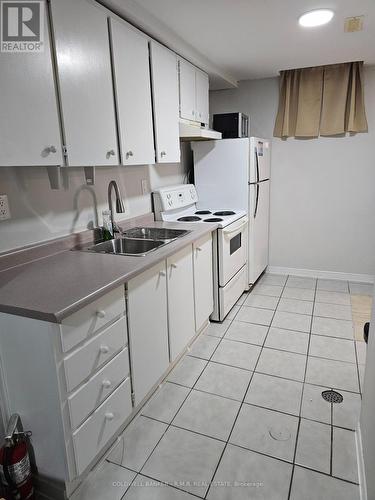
<point x="40" y="214"/>
<point x="368" y="412"/>
<point x="322" y="190"/>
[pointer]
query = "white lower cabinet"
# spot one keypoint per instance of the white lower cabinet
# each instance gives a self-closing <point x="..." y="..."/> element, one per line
<point x="85" y="399"/>
<point x="203" y="280"/>
<point x="77" y="384"/>
<point x="100" y="427"/>
<point x="148" y="329"/>
<point x="180" y="301"/>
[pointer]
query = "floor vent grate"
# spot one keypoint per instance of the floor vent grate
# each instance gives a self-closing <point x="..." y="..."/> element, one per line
<point x="332" y="397"/>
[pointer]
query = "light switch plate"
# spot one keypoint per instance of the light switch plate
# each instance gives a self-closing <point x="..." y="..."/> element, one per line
<point x="4" y="207"/>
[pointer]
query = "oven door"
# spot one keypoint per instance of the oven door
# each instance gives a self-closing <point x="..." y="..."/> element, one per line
<point x="232" y="247"/>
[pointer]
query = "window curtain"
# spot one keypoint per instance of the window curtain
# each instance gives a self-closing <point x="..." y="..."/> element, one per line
<point x="324" y="100"/>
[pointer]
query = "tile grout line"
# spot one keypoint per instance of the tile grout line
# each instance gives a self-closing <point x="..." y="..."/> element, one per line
<point x="179" y="408"/>
<point x="245" y="393"/>
<point x="257" y="405"/>
<point x="242" y="403"/>
<point x="302" y="394"/>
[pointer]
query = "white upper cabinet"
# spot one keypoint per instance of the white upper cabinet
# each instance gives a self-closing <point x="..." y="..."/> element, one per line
<point x="164" y="80"/>
<point x="202" y="98"/>
<point x="29" y="121"/>
<point x="131" y="69"/>
<point x="187" y="90"/>
<point x="193" y="87"/>
<point x="85" y="82"/>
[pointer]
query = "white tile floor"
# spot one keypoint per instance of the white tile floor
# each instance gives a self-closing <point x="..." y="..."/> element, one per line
<point x="242" y="415"/>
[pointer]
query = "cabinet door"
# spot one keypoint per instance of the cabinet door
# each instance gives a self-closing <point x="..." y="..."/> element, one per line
<point x="180" y="301"/>
<point x="131" y="69"/>
<point x="85" y="80"/>
<point x="203" y="281"/>
<point x="29" y="121"/>
<point x="148" y="329"/>
<point x="202" y="86"/>
<point x="164" y="81"/>
<point x="187" y="90"/>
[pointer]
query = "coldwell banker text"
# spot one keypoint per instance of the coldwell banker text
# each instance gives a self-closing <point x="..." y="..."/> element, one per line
<point x="22" y="26"/>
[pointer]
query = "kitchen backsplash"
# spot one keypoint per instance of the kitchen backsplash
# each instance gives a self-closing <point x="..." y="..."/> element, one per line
<point x="40" y="214"/>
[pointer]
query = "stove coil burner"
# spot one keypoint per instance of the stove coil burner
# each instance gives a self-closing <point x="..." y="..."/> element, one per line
<point x="189" y="218"/>
<point x="203" y="212"/>
<point x="213" y="219"/>
<point x="223" y="213"/>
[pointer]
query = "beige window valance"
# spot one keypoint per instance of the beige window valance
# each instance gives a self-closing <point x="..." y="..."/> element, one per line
<point x="323" y="100"/>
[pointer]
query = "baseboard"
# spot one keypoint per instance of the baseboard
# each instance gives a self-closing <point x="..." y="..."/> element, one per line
<point x="361" y="464"/>
<point x="313" y="273"/>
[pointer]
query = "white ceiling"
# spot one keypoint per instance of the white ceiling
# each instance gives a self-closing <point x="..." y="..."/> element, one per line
<point x="257" y="38"/>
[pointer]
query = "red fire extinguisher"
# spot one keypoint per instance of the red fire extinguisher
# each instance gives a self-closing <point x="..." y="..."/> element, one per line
<point x="15" y="468"/>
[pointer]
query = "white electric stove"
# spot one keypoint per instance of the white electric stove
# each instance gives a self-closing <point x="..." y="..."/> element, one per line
<point x="180" y="204"/>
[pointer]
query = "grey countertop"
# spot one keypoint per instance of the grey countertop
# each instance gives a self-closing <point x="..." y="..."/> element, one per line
<point x="54" y="287"/>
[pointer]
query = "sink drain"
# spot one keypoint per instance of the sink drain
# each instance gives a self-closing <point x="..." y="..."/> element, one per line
<point x="332" y="396"/>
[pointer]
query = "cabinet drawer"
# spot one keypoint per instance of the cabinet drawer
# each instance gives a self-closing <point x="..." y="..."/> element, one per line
<point x="84" y="362"/>
<point x="101" y="426"/>
<point x="98" y="388"/>
<point x="85" y="322"/>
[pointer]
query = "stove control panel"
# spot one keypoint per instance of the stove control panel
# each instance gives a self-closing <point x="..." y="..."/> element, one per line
<point x="174" y="197"/>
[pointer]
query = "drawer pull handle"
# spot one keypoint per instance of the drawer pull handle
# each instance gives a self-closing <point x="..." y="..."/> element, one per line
<point x="162" y="273"/>
<point x="199" y="249"/>
<point x="104" y="349"/>
<point x="174" y="266"/>
<point x="100" y="314"/>
<point x="106" y="384"/>
<point x="109" y="416"/>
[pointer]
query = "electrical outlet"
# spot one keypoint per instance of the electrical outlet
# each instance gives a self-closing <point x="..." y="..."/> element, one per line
<point x="4" y="207"/>
<point x="145" y="188"/>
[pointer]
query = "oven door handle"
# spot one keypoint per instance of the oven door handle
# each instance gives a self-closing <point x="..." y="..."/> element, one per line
<point x="231" y="230"/>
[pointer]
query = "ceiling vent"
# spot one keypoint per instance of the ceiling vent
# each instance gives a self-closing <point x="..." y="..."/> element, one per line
<point x="353" y="24"/>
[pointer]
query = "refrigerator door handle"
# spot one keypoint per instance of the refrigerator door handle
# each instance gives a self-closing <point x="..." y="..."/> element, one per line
<point x="257" y="163"/>
<point x="256" y="202"/>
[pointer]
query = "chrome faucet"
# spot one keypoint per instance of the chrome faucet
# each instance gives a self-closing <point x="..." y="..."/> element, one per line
<point x="120" y="209"/>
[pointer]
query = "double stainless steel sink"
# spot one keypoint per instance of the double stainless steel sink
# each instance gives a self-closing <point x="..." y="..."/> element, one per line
<point x="138" y="241"/>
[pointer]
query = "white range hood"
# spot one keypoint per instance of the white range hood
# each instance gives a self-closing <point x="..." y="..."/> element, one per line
<point x="192" y="131"/>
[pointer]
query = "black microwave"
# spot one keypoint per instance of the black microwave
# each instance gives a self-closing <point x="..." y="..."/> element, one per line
<point x="231" y="125"/>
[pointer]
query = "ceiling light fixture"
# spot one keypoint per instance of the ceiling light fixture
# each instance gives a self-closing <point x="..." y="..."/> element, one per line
<point x="316" y="18"/>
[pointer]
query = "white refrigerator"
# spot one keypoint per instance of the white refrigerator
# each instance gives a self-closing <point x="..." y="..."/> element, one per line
<point x="235" y="174"/>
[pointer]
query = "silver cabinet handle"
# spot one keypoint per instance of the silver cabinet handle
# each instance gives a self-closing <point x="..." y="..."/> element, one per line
<point x="52" y="149"/>
<point x="163" y="153"/>
<point x="111" y="152"/>
<point x="174" y="266"/>
<point x="104" y="349"/>
<point x="198" y="249"/>
<point x="109" y="416"/>
<point x="100" y="314"/>
<point x="106" y="384"/>
<point x="162" y="273"/>
<point x="128" y="154"/>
